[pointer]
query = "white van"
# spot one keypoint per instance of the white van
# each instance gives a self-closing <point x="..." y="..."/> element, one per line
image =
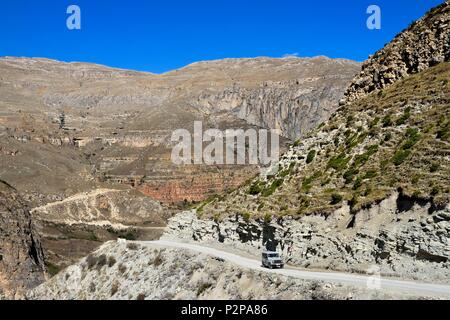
<point x="272" y="259"/>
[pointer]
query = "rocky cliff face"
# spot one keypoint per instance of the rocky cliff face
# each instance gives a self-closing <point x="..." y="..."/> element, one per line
<point x="21" y="257"/>
<point x="402" y="243"/>
<point x="424" y="44"/>
<point x="293" y="107"/>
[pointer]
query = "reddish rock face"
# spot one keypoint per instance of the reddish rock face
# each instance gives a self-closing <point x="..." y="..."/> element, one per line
<point x="21" y="257"/>
<point x="196" y="187"/>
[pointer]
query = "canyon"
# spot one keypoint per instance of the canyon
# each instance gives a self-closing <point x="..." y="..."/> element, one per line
<point x="362" y="183"/>
<point x="89" y="147"/>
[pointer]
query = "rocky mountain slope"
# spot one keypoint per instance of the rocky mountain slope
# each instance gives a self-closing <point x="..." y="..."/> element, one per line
<point x="89" y="146"/>
<point x="120" y="122"/>
<point x="21" y="257"/>
<point x="369" y="187"/>
<point x="424" y="44"/>
<point x="131" y="271"/>
<point x="77" y="225"/>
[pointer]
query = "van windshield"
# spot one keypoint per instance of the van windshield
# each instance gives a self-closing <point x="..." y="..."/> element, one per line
<point x="273" y="255"/>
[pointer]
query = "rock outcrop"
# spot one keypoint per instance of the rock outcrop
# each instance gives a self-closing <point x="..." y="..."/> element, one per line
<point x="423" y="45"/>
<point x="410" y="244"/>
<point x="293" y="107"/>
<point x="21" y="257"/>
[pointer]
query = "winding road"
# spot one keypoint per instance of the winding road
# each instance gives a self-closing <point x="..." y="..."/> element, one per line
<point x="371" y="282"/>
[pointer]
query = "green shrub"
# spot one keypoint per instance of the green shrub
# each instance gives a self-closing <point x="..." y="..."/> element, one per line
<point x="52" y="269"/>
<point x="434" y="167"/>
<point x="267" y="218"/>
<point x="256" y="188"/>
<point x="413" y="137"/>
<point x="358" y="183"/>
<point x="444" y="132"/>
<point x="363" y="158"/>
<point x="350" y="174"/>
<point x="336" y="198"/>
<point x="246" y="216"/>
<point x="273" y="187"/>
<point x="307" y="182"/>
<point x="111" y="261"/>
<point x="374" y="123"/>
<point x="93" y="237"/>
<point x="388" y="137"/>
<point x="387" y="121"/>
<point x="405" y="117"/>
<point x="311" y="156"/>
<point x="339" y="162"/>
<point x="400" y="157"/>
<point x="370" y="174"/>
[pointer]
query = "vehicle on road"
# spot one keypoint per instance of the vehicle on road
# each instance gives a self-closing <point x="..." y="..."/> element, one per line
<point x="272" y="259"/>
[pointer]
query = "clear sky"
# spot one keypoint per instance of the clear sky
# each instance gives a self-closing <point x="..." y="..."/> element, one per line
<point x="161" y="35"/>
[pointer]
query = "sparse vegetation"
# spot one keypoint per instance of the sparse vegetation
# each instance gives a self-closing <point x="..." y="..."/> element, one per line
<point x="434" y="167"/>
<point x="114" y="288"/>
<point x="132" y="246"/>
<point x="91" y="261"/>
<point x="102" y="261"/>
<point x="339" y="162"/>
<point x="122" y="268"/>
<point x="363" y="158"/>
<point x="406" y="115"/>
<point x="369" y="157"/>
<point x="111" y="261"/>
<point x="444" y="132"/>
<point x="158" y="259"/>
<point x="267" y="218"/>
<point x="129" y="234"/>
<point x="272" y="188"/>
<point x="400" y="157"/>
<point x="202" y="288"/>
<point x="387" y="121"/>
<point x="256" y="188"/>
<point x="336" y="198"/>
<point x="52" y="269"/>
<point x="311" y="156"/>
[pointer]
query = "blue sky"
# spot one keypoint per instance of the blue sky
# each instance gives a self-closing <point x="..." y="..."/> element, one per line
<point x="162" y="35"/>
